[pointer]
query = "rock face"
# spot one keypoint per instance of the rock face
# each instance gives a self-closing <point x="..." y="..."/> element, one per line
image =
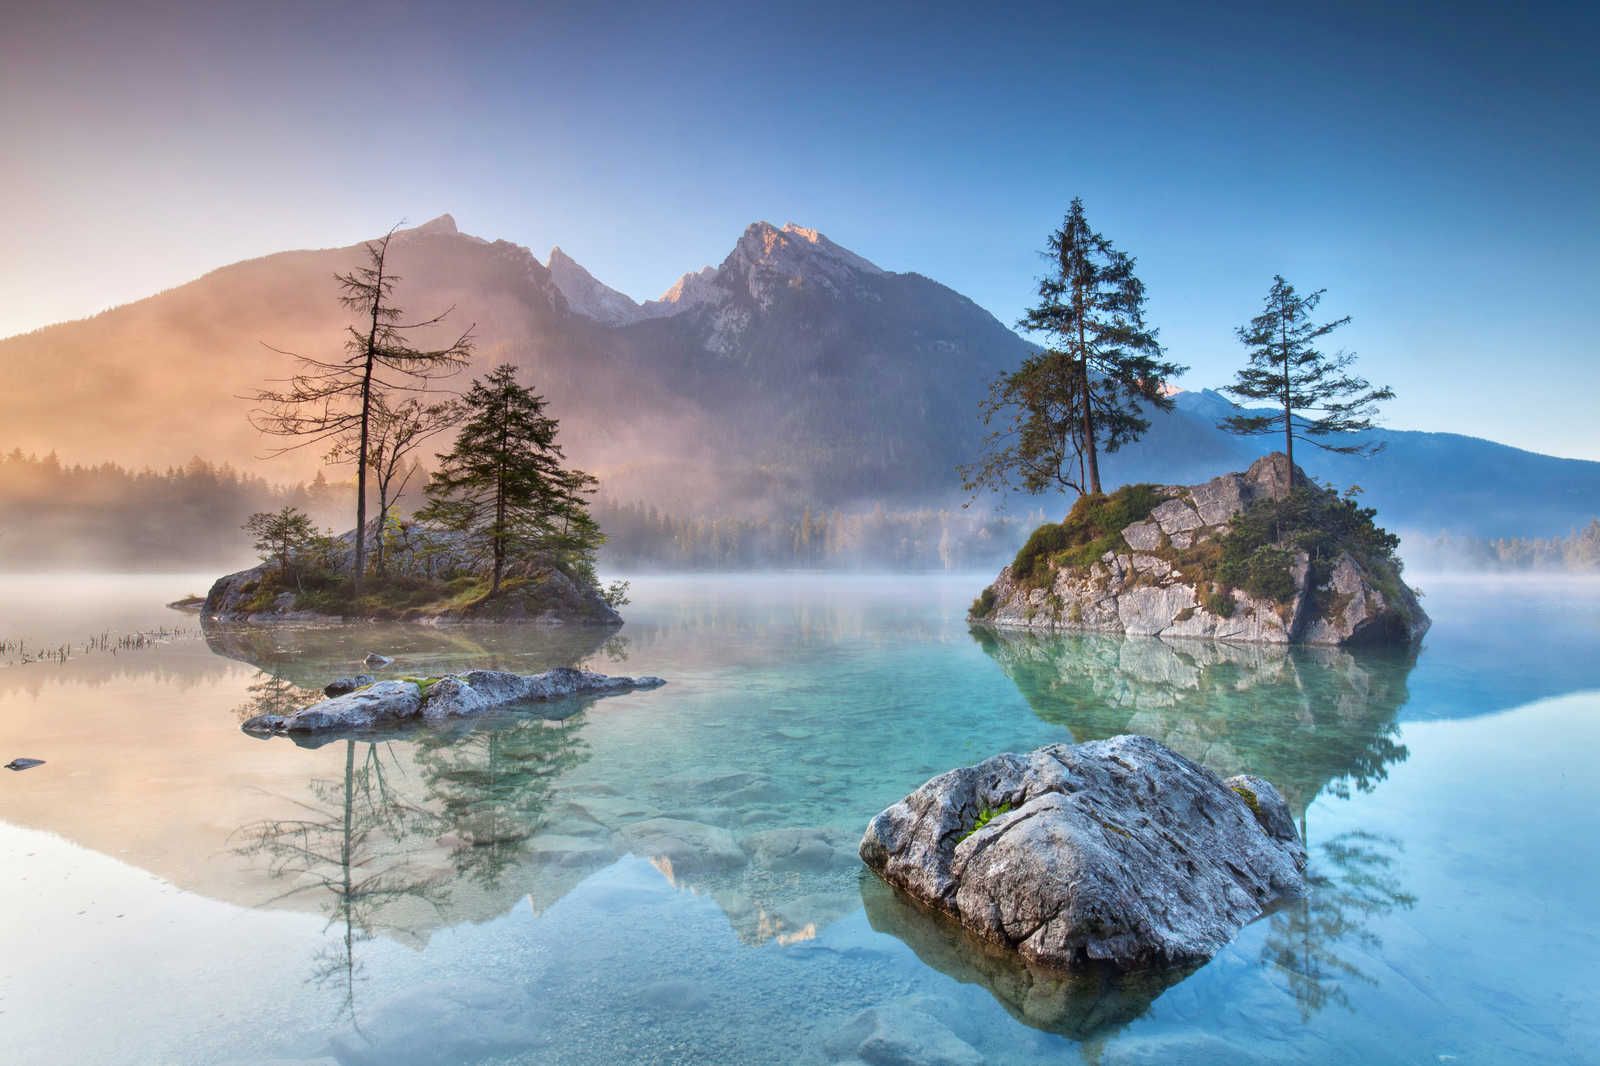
<point x="1118" y="851"/>
<point x="1144" y="587"/>
<point x="389" y="703"/>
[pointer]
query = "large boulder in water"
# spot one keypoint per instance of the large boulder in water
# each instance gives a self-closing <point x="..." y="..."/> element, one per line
<point x="1118" y="851"/>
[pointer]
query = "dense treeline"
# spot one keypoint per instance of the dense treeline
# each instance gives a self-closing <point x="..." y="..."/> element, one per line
<point x="639" y="536"/>
<point x="1577" y="553"/>
<point x="108" y="516"/>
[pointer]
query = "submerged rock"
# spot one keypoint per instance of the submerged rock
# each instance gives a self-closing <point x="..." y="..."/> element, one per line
<point x="341" y="685"/>
<point x="388" y="703"/>
<point x="899" y="1035"/>
<point x="1160" y="576"/>
<point x="375" y="659"/>
<point x="1118" y="851"/>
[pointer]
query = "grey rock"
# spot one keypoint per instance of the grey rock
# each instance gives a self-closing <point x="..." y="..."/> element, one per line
<point x="1118" y="851"/>
<point x="339" y="686"/>
<point x="374" y="659"/>
<point x="389" y="703"/>
<point x="1147" y="593"/>
<point x="24" y="764"/>
<point x="899" y="1035"/>
<point x="1176" y="516"/>
<point x="1143" y="536"/>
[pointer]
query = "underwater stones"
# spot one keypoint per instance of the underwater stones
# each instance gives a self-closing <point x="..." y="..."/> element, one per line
<point x="341" y="685"/>
<point x="1118" y="851"/>
<point x="431" y="1022"/>
<point x="803" y="850"/>
<point x="899" y="1035"/>
<point x="682" y="847"/>
<point x="388" y="703"/>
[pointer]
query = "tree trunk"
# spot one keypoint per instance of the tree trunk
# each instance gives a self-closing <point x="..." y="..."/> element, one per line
<point x="1091" y="452"/>
<point x="1288" y="396"/>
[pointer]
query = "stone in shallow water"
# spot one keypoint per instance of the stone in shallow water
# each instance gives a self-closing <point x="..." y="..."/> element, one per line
<point x="899" y="1035"/>
<point x="682" y="846"/>
<point x="1118" y="851"/>
<point x="445" y="1021"/>
<point x="339" y="686"/>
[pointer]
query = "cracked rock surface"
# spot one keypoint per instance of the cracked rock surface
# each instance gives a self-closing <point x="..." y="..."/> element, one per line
<point x="1117" y="851"/>
<point x="390" y="703"/>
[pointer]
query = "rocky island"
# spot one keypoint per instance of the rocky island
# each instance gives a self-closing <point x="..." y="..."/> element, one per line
<point x="1118" y="852"/>
<point x="1252" y="556"/>
<point x="433" y="576"/>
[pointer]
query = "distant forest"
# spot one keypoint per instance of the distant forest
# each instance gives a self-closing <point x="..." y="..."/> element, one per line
<point x="106" y="516"/>
<point x="1578" y="553"/>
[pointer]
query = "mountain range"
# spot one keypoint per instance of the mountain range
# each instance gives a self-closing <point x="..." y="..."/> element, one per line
<point x="795" y="373"/>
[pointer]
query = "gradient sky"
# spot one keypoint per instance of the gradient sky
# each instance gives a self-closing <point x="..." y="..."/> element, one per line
<point x="1435" y="170"/>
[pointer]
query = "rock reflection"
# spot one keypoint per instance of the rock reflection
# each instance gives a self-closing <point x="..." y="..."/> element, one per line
<point x="1084" y="1006"/>
<point x="1307" y="719"/>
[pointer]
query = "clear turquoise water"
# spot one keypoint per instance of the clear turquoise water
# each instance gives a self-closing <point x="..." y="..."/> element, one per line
<point x="174" y="891"/>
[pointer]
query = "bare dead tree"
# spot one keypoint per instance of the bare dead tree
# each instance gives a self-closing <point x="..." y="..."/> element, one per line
<point x="396" y="431"/>
<point x="330" y="401"/>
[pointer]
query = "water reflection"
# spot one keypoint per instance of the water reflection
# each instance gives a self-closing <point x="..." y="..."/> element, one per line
<point x="1083" y="1006"/>
<point x="1316" y="941"/>
<point x="1307" y="719"/>
<point x="1312" y="720"/>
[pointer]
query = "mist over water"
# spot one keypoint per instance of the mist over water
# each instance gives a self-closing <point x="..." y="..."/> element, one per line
<point x="501" y="890"/>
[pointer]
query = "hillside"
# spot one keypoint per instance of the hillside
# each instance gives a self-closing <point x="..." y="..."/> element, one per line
<point x="794" y="375"/>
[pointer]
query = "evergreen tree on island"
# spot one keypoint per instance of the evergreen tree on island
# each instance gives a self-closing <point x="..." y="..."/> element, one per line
<point x="504" y="483"/>
<point x="331" y="401"/>
<point x="1319" y="400"/>
<point x="1086" y="391"/>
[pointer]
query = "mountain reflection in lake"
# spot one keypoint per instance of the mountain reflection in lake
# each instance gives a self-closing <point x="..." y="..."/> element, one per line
<point x="671" y="876"/>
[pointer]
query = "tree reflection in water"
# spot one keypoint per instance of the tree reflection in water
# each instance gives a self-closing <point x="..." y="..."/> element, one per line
<point x="1351" y="883"/>
<point x="347" y="845"/>
<point x="414" y="815"/>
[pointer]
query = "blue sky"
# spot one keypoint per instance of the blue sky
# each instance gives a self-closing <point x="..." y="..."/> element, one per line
<point x="1433" y="169"/>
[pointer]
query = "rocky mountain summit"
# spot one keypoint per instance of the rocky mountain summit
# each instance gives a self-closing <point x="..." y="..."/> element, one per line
<point x="1118" y="852"/>
<point x="1240" y="557"/>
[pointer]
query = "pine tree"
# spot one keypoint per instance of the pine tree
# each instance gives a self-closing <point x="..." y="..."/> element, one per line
<point x="1317" y="396"/>
<point x="330" y="401"/>
<point x="1087" y="390"/>
<point x="504" y="484"/>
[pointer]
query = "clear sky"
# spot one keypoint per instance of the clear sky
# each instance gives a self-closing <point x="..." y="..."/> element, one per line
<point x="1434" y="169"/>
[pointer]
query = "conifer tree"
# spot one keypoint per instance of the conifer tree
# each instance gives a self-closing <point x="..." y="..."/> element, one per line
<point x="1086" y="391"/>
<point x="1316" y="395"/>
<point x="330" y="401"/>
<point x="504" y="484"/>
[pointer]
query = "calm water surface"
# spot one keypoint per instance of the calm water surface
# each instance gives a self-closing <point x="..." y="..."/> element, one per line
<point x="670" y="876"/>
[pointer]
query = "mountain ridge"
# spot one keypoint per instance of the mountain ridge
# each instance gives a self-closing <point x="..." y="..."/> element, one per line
<point x="793" y="374"/>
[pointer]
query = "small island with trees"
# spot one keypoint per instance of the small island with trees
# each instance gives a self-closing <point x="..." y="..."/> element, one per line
<point x="1264" y="555"/>
<point x="505" y="533"/>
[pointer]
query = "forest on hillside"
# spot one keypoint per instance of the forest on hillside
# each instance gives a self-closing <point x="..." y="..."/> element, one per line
<point x="109" y="517"/>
